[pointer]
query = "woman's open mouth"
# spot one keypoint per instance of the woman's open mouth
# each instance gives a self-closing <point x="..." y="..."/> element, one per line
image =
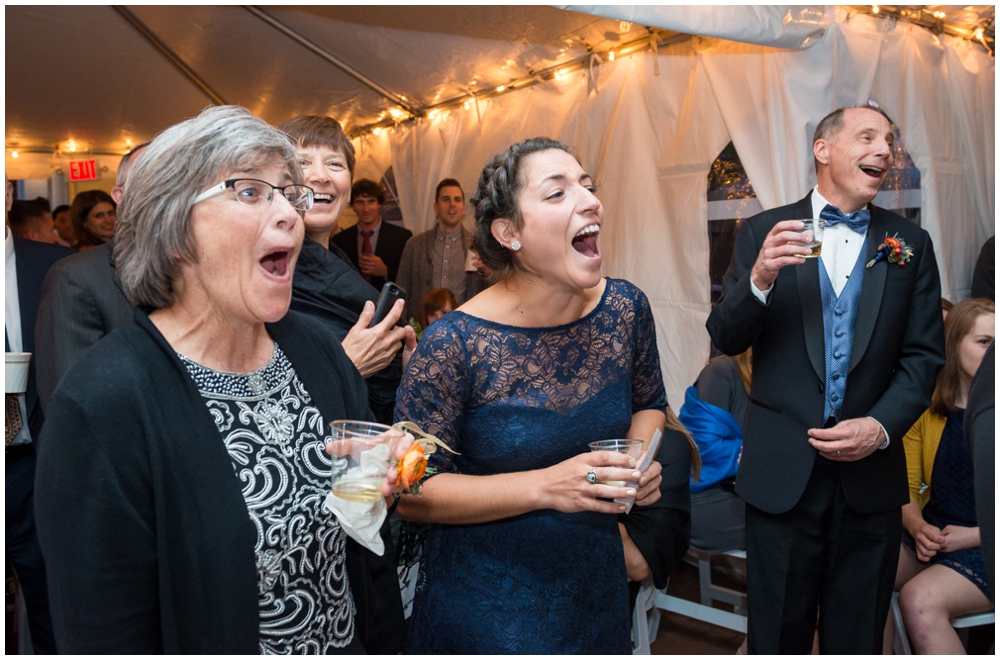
<point x="585" y="241"/>
<point x="276" y="263"/>
<point x="320" y="199"/>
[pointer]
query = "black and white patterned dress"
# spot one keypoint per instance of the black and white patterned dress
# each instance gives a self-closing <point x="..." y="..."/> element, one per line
<point x="276" y="437"/>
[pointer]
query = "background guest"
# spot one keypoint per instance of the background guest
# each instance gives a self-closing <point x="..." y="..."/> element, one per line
<point x="983" y="275"/>
<point x="203" y="449"/>
<point x="714" y="412"/>
<point x="980" y="436"/>
<point x="326" y="285"/>
<point x="437" y="258"/>
<point x="64" y="224"/>
<point x="656" y="537"/>
<point x="82" y="301"/>
<point x="941" y="572"/>
<point x="31" y="220"/>
<point x="518" y="380"/>
<point x="946" y="306"/>
<point x="25" y="265"/>
<point x="93" y="213"/>
<point x="435" y="304"/>
<point x="375" y="247"/>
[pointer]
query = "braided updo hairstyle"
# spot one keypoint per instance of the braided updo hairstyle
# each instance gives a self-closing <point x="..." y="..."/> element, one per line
<point x="496" y="197"/>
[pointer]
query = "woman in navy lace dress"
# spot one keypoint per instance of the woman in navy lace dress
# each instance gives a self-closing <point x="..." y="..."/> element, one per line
<point x="941" y="572"/>
<point x="525" y="554"/>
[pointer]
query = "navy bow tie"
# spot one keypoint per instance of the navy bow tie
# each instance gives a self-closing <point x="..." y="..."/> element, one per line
<point x="858" y="221"/>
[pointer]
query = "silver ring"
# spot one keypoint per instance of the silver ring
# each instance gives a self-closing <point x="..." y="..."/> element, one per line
<point x="592" y="476"/>
<point x="838" y="453"/>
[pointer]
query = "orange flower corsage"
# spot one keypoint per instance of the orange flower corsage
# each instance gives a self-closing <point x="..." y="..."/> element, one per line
<point x="412" y="468"/>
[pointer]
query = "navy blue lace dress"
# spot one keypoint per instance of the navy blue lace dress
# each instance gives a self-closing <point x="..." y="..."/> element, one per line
<point x="511" y="399"/>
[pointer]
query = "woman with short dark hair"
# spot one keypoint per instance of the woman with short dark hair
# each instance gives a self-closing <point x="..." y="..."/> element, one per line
<point x="326" y="285"/>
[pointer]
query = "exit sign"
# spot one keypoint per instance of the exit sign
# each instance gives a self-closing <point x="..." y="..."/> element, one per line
<point x="82" y="170"/>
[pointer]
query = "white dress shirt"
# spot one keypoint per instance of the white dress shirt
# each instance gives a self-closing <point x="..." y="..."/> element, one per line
<point x="373" y="239"/>
<point x="12" y="303"/>
<point x="12" y="323"/>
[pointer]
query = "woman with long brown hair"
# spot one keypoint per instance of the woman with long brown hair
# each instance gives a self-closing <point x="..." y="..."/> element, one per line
<point x="93" y="213"/>
<point x="941" y="571"/>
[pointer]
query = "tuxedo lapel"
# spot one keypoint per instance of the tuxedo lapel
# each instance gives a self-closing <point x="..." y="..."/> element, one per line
<point x="872" y="288"/>
<point x="810" y="300"/>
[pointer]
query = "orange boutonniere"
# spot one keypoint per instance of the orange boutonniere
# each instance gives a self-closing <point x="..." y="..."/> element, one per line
<point x="894" y="250"/>
<point x="412" y="468"/>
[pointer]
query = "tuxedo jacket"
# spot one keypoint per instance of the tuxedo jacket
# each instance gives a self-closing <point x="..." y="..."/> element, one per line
<point x="391" y="239"/>
<point x="82" y="300"/>
<point x="32" y="261"/>
<point x="897" y="352"/>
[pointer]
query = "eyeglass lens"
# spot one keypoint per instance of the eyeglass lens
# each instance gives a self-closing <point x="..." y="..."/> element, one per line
<point x="251" y="191"/>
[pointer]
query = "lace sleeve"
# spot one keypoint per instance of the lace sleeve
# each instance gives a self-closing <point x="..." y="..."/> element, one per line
<point x="648" y="392"/>
<point x="433" y="389"/>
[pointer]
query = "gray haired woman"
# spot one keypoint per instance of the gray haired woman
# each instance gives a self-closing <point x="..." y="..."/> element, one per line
<point x="182" y="470"/>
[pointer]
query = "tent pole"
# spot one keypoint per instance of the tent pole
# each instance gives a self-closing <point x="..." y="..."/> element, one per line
<point x="332" y="59"/>
<point x="151" y="37"/>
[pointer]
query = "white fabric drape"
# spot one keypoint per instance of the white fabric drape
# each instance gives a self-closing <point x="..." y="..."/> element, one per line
<point x="780" y="26"/>
<point x="650" y="139"/>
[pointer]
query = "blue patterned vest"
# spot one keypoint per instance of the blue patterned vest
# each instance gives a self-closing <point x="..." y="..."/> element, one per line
<point x="839" y="316"/>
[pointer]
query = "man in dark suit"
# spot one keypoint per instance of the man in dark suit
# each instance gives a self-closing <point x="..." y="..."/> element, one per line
<point x="846" y="353"/>
<point x="375" y="247"/>
<point x="82" y="300"/>
<point x="26" y="263"/>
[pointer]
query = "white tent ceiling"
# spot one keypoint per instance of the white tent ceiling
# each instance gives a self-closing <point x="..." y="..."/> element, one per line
<point x="89" y="74"/>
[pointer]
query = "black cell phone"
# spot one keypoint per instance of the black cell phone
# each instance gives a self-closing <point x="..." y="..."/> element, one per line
<point x="391" y="292"/>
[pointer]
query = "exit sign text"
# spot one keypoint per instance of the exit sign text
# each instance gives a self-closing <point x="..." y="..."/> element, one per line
<point x="82" y="170"/>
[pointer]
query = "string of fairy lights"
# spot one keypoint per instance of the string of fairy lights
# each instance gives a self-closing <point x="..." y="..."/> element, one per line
<point x="651" y="39"/>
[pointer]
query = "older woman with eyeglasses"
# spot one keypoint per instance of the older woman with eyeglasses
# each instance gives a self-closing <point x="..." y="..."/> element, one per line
<point x="182" y="471"/>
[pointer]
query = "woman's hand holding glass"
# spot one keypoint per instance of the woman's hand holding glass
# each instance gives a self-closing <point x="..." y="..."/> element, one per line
<point x="567" y="488"/>
<point x="399" y="443"/>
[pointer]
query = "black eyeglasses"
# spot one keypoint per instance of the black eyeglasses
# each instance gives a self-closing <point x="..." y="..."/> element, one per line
<point x="255" y="191"/>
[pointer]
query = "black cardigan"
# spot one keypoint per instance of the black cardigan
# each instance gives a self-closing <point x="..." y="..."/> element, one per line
<point x="140" y="515"/>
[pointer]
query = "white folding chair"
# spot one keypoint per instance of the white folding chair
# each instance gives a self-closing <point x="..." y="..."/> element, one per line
<point x="703" y="611"/>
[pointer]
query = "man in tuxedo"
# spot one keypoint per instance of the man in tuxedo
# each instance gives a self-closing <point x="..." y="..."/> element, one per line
<point x="82" y="300"/>
<point x="375" y="247"/>
<point x="26" y="263"/>
<point x="846" y="353"/>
